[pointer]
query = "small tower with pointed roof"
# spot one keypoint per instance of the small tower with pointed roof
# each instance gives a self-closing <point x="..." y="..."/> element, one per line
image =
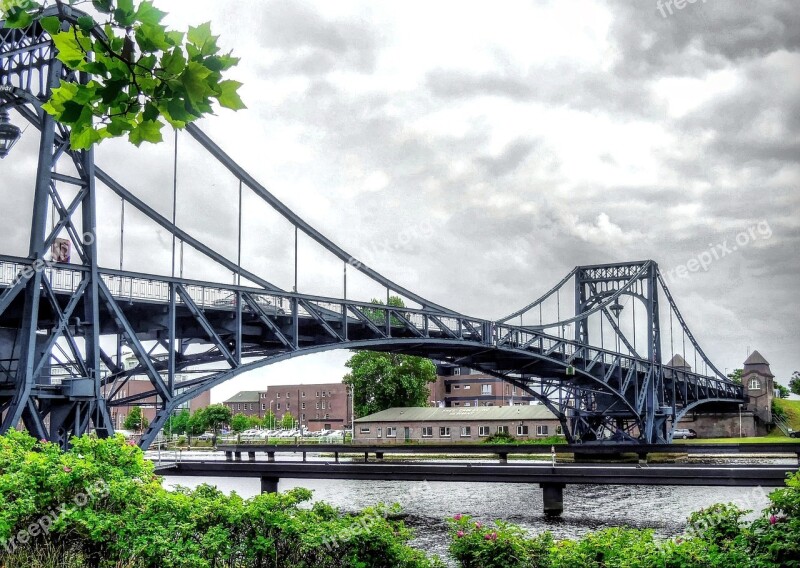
<point x="758" y="382"/>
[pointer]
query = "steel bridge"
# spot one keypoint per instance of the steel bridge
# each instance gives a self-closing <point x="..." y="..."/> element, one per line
<point x="581" y="349"/>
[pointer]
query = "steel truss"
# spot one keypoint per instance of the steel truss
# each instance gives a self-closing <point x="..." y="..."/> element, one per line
<point x="54" y="316"/>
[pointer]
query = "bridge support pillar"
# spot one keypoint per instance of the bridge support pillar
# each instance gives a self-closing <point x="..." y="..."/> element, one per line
<point x="503" y="456"/>
<point x="251" y="456"/>
<point x="553" y="498"/>
<point x="270" y="456"/>
<point x="269" y="484"/>
<point x="379" y="456"/>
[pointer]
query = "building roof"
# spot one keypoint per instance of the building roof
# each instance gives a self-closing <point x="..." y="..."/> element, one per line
<point x="757" y="364"/>
<point x="244" y="396"/>
<point x="756" y="358"/>
<point x="433" y="414"/>
<point x="678" y="361"/>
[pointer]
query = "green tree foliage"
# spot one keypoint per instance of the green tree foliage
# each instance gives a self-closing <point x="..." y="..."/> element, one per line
<point x="216" y="415"/>
<point x="736" y="376"/>
<point x="143" y="75"/>
<point x="136" y="420"/>
<point x="197" y="422"/>
<point x="112" y="511"/>
<point x="240" y="423"/>
<point x="387" y="380"/>
<point x="287" y="421"/>
<point x="178" y="423"/>
<point x="794" y="383"/>
<point x="783" y="392"/>
<point x="269" y="420"/>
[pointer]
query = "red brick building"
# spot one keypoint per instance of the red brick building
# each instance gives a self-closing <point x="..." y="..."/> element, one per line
<point x="462" y="387"/>
<point x="323" y="406"/>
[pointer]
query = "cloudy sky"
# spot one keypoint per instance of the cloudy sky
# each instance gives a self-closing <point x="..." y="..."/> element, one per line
<point x="475" y="155"/>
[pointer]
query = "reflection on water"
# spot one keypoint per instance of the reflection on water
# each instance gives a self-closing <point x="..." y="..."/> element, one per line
<point x="586" y="507"/>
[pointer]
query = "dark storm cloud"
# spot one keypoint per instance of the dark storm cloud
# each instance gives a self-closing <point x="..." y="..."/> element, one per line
<point x="312" y="45"/>
<point x="703" y="35"/>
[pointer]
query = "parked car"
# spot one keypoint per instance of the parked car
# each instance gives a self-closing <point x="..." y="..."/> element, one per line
<point x="206" y="437"/>
<point x="684" y="433"/>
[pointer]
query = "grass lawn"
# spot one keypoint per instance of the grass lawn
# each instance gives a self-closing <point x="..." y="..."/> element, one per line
<point x="754" y="440"/>
<point x="792" y="410"/>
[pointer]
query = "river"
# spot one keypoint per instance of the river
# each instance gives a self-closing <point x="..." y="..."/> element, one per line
<point x="586" y="507"/>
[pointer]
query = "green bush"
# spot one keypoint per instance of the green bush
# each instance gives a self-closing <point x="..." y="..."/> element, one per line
<point x="100" y="505"/>
<point x="716" y="537"/>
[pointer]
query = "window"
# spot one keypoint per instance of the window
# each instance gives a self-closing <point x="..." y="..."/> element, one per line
<point x="317" y="394"/>
<point x="238" y="407"/>
<point x="326" y="426"/>
<point x="378" y="432"/>
<point x="278" y="406"/>
<point x="391" y="432"/>
<point x="251" y="406"/>
<point x="559" y="430"/>
<point x="277" y="395"/>
<point x="483" y="431"/>
<point x="317" y="405"/>
<point x="466" y="431"/>
<point x="541" y="430"/>
<point x="486" y="389"/>
<point x="457" y="371"/>
<point x="302" y="417"/>
<point x="502" y="429"/>
<point x="323" y="394"/>
<point x="303" y="405"/>
<point x="323" y="406"/>
<point x="467" y="404"/>
<point x="287" y="406"/>
<point x="444" y="431"/>
<point x="327" y="416"/>
<point x="755" y="384"/>
<point x="303" y="394"/>
<point x="522" y="430"/>
<point x="364" y="430"/>
<point x="263" y="407"/>
<point x="427" y="431"/>
<point x="288" y="394"/>
<point x="467" y="387"/>
<point x="456" y="404"/>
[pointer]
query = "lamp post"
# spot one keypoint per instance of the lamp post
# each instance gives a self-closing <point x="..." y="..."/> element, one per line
<point x="740" y="419"/>
<point x="271" y="416"/>
<point x="9" y="134"/>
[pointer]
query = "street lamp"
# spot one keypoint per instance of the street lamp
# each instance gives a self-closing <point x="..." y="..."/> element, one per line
<point x="616" y="308"/>
<point x="740" y="419"/>
<point x="9" y="134"/>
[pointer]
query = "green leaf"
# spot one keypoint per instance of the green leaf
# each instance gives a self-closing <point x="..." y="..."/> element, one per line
<point x="146" y="131"/>
<point x="152" y="37"/>
<point x="51" y="24"/>
<point x="103" y="6"/>
<point x="86" y="23"/>
<point x="173" y="62"/>
<point x="149" y="14"/>
<point x="199" y="35"/>
<point x="83" y="138"/>
<point x="17" y="17"/>
<point x="69" y="50"/>
<point x="193" y="79"/>
<point x="228" y="96"/>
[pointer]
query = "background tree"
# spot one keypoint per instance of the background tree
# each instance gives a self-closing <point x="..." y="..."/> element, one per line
<point x="141" y="71"/>
<point x="783" y="392"/>
<point x="197" y="424"/>
<point x="240" y="423"/>
<point x="736" y="376"/>
<point x="254" y="422"/>
<point x="216" y="415"/>
<point x="387" y="380"/>
<point x="269" y="420"/>
<point x="794" y="383"/>
<point x="287" y="421"/>
<point x="178" y="423"/>
<point x="135" y="420"/>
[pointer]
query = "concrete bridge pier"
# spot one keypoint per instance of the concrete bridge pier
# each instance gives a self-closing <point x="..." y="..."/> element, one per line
<point x="269" y="484"/>
<point x="553" y="498"/>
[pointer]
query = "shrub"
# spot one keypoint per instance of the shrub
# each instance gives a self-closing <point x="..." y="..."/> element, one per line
<point x="105" y="508"/>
